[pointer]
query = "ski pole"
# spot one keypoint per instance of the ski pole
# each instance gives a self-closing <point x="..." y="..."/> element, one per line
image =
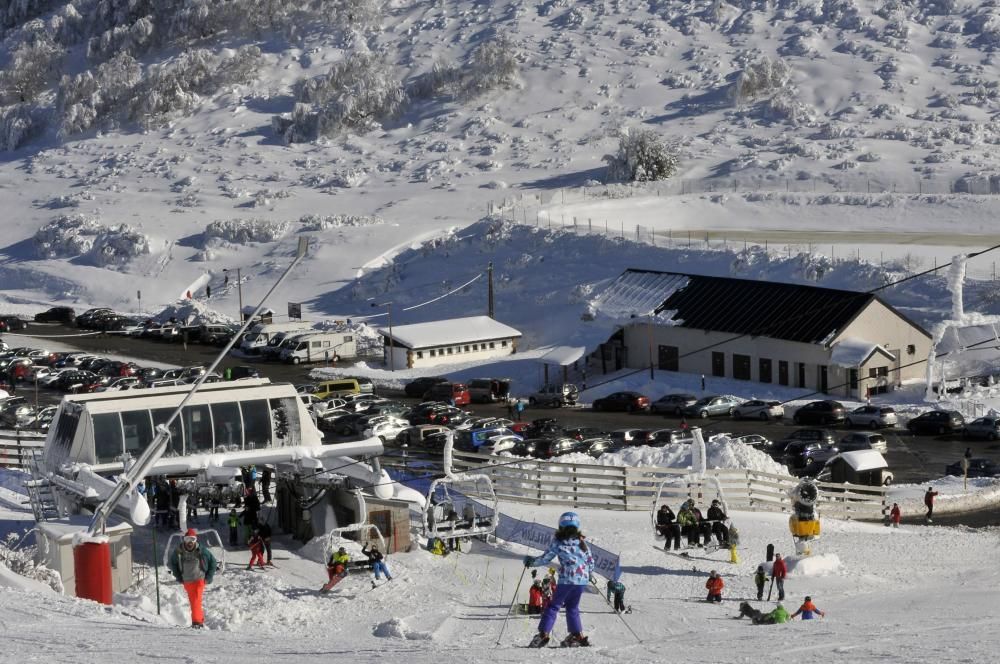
<point x="770" y="589"/>
<point x="620" y="616"/>
<point x="512" y="601"/>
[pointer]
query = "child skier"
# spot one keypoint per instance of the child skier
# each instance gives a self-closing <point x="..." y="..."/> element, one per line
<point x="808" y="610"/>
<point x="536" y="598"/>
<point x="895" y="515"/>
<point x="759" y="579"/>
<point x="617" y="590"/>
<point x="576" y="564"/>
<point x="256" y="545"/>
<point x="715" y="584"/>
<point x="336" y="568"/>
<point x="378" y="562"/>
<point x="234" y="528"/>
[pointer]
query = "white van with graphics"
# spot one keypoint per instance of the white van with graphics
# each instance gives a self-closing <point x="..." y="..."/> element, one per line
<point x="260" y="334"/>
<point x="320" y="347"/>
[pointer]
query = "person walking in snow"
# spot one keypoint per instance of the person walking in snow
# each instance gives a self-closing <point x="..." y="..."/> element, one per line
<point x="265" y="532"/>
<point x="194" y="567"/>
<point x="377" y="560"/>
<point x="576" y="564"/>
<point x="256" y="544"/>
<point x="714" y="585"/>
<point x="808" y="610"/>
<point x="616" y="590"/>
<point x="929" y="502"/>
<point x="778" y="573"/>
<point x="760" y="579"/>
<point x="519" y="409"/>
<point x="895" y="515"/>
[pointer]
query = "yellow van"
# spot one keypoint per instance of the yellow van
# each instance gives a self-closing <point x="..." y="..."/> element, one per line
<point x="342" y="387"/>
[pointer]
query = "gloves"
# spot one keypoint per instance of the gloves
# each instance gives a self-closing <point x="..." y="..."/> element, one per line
<point x="529" y="561"/>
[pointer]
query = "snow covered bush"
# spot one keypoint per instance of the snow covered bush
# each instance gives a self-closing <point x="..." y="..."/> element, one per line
<point x="32" y="65"/>
<point x="244" y="231"/>
<point x="21" y="561"/>
<point x="116" y="246"/>
<point x="315" y="222"/>
<point x="17" y="126"/>
<point x="492" y="65"/>
<point x="357" y="93"/>
<point x="642" y="156"/>
<point x="99" y="97"/>
<point x="66" y="236"/>
<point x="762" y="78"/>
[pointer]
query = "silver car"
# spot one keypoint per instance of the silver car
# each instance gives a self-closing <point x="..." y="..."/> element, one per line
<point x="984" y="427"/>
<point x="759" y="409"/>
<point x="873" y="417"/>
<point x="711" y="406"/>
<point x="555" y="395"/>
<point x="863" y="440"/>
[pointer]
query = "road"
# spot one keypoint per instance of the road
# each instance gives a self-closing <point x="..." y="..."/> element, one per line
<point x="913" y="459"/>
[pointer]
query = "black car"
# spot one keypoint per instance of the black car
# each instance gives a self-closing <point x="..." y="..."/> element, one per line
<point x="820" y="412"/>
<point x="824" y="436"/>
<point x="801" y="455"/>
<point x="938" y="422"/>
<point x="87" y="318"/>
<point x="630" y="437"/>
<point x="65" y="315"/>
<point x="543" y="427"/>
<point x="977" y="468"/>
<point x="12" y="324"/>
<point x="583" y="433"/>
<point x="622" y="401"/>
<point x="526" y="447"/>
<point x="669" y="437"/>
<point x="71" y="381"/>
<point x="553" y="447"/>
<point x="241" y="371"/>
<point x="417" y="388"/>
<point x="595" y="447"/>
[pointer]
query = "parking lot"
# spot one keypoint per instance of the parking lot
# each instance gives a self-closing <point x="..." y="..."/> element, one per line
<point x="913" y="459"/>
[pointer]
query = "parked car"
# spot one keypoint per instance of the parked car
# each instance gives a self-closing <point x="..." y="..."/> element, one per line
<point x="438" y="414"/>
<point x="553" y="447"/>
<point x="417" y="388"/>
<point x="672" y="404"/>
<point x="629" y="402"/>
<point x="938" y="422"/>
<point x="977" y="468"/>
<point x="777" y="447"/>
<point x="759" y="409"/>
<point x="669" y="437"/>
<point x="863" y="441"/>
<point x="595" y="447"/>
<point x="72" y="381"/>
<point x="527" y="447"/>
<point x="872" y="417"/>
<point x="630" y="437"/>
<point x="583" y="433"/>
<point x="985" y="427"/>
<point x="803" y="455"/>
<point x="12" y="324"/>
<point x="555" y="395"/>
<point x="711" y="406"/>
<point x="457" y="394"/>
<point x="753" y="440"/>
<point x="240" y="372"/>
<point x="416" y="436"/>
<point x="488" y="390"/>
<point x="820" y="412"/>
<point x="87" y="318"/>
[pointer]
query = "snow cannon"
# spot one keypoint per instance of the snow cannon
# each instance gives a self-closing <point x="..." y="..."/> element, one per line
<point x="804" y="521"/>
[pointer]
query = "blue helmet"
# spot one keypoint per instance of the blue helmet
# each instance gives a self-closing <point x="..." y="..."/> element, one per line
<point x="569" y="519"/>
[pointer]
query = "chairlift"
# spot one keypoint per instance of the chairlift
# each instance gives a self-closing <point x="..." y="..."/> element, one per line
<point x="366" y="532"/>
<point x="683" y="483"/>
<point x="450" y="512"/>
<point x="208" y="537"/>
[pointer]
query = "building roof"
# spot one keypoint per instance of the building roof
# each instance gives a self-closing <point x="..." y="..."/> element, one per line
<point x="852" y="352"/>
<point x="861" y="460"/>
<point x="449" y="331"/>
<point x="793" y="312"/>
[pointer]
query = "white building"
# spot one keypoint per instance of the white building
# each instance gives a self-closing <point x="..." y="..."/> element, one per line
<point x="449" y="341"/>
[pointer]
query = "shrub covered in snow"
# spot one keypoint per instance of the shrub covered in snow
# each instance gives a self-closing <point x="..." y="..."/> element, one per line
<point x="32" y="65"/>
<point x="118" y="245"/>
<point x="245" y="231"/>
<point x="642" y="156"/>
<point x="315" y="222"/>
<point x="21" y="561"/>
<point x="492" y="65"/>
<point x="760" y="79"/>
<point x="17" y="126"/>
<point x="72" y="236"/>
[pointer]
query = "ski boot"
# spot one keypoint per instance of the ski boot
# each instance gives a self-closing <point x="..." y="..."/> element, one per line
<point x="575" y="641"/>
<point x="540" y="641"/>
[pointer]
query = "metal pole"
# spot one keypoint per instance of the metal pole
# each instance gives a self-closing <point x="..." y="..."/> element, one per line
<point x="392" y="364"/>
<point x="650" y="326"/>
<point x="156" y="571"/>
<point x="489" y="272"/>
<point x="239" y="289"/>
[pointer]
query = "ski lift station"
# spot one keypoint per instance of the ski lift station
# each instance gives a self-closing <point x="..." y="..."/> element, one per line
<point x="223" y="428"/>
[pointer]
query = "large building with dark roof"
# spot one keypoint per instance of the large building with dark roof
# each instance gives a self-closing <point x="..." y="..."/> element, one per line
<point x="837" y="342"/>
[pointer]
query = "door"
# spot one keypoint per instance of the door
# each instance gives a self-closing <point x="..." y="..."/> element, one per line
<point x="802" y="374"/>
<point x="764" y="367"/>
<point x="719" y="364"/>
<point x="823" y="378"/>
<point x="382" y="519"/>
<point x="741" y="367"/>
<point x="782" y="372"/>
<point x="668" y="358"/>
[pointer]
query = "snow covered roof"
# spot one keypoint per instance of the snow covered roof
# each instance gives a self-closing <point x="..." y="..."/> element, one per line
<point x="861" y="460"/>
<point x="638" y="293"/>
<point x="563" y="355"/>
<point x="852" y="352"/>
<point x="449" y="331"/>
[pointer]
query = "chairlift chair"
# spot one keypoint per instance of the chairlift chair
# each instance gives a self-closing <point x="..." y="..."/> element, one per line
<point x="684" y="482"/>
<point x="365" y="532"/>
<point x="208" y="537"/>
<point x="480" y="487"/>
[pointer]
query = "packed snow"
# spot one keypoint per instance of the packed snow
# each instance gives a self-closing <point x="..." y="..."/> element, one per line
<point x="722" y="451"/>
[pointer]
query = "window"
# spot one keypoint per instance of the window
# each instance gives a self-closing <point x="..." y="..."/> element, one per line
<point x="420" y="354"/>
<point x="852" y="379"/>
<point x="741" y="367"/>
<point x="492" y="345"/>
<point x="782" y="372"/>
<point x="466" y="349"/>
<point x="450" y="350"/>
<point x="800" y="374"/>
<point x="764" y="369"/>
<point x="718" y="364"/>
<point x="503" y="344"/>
<point x="69" y="419"/>
<point x="348" y="338"/>
<point x="669" y="358"/>
<point x="432" y="352"/>
<point x="138" y="428"/>
<point x="176" y="446"/>
<point x="227" y="426"/>
<point x="197" y="429"/>
<point x="108" y="445"/>
<point x="256" y="423"/>
<point x="316" y="344"/>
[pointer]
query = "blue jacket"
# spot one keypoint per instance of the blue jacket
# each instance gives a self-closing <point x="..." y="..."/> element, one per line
<point x="575" y="564"/>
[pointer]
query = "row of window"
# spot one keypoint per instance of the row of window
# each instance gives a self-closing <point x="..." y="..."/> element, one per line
<point x="468" y="348"/>
<point x="231" y="426"/>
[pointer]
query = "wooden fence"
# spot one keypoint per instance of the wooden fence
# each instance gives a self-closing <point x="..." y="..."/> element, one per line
<point x="15" y="446"/>
<point x="623" y="488"/>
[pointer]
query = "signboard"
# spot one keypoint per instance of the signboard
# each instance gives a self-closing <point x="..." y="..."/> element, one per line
<point x="295" y="310"/>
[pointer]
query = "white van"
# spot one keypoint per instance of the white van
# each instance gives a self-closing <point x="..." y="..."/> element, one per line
<point x="261" y="333"/>
<point x="320" y="347"/>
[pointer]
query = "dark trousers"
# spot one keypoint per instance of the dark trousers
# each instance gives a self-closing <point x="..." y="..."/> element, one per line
<point x="713" y="597"/>
<point x="267" y="548"/>
<point x="721" y="532"/>
<point x="760" y="591"/>
<point x="620" y="601"/>
<point x="234" y="535"/>
<point x="780" y="582"/>
<point x="930" y="512"/>
<point x="672" y="533"/>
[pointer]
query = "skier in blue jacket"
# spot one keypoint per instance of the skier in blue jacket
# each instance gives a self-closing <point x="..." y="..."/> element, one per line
<point x="576" y="564"/>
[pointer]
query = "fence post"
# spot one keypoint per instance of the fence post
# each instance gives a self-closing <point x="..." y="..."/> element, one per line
<point x="538" y="479"/>
<point x="625" y="486"/>
<point x="575" y="481"/>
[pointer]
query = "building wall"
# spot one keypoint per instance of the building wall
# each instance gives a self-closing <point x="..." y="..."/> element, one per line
<point x="404" y="358"/>
<point x="877" y="323"/>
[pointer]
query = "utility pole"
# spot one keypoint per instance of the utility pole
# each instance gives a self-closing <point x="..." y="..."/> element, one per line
<point x="652" y="376"/>
<point x="489" y="274"/>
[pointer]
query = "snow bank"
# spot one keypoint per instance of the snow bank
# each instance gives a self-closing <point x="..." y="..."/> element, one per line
<point x="397" y="628"/>
<point x="244" y="231"/>
<point x="9" y="579"/>
<point x="952" y="496"/>
<point x="193" y="312"/>
<point x="72" y="236"/>
<point x="818" y="565"/>
<point x="722" y="451"/>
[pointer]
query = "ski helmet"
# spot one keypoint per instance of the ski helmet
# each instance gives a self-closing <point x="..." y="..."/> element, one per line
<point x="569" y="519"/>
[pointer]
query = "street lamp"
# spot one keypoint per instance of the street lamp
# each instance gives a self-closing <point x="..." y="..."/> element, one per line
<point x="239" y="289"/>
<point x="388" y="308"/>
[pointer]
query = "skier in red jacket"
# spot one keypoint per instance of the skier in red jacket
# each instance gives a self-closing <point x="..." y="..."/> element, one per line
<point x="895" y="515"/>
<point x="778" y="574"/>
<point x="929" y="502"/>
<point x="536" y="598"/>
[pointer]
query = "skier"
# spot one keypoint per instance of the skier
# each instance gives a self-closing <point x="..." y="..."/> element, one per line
<point x="264" y="529"/>
<point x="759" y="579"/>
<point x="717" y="517"/>
<point x="778" y="573"/>
<point x="256" y="544"/>
<point x="734" y="541"/>
<point x="519" y="409"/>
<point x="234" y="528"/>
<point x="378" y="562"/>
<point x="215" y="502"/>
<point x="336" y="568"/>
<point x="688" y="523"/>
<point x="895" y="515"/>
<point x="436" y="546"/>
<point x="715" y="584"/>
<point x="808" y="610"/>
<point x="665" y="525"/>
<point x="576" y="564"/>
<point x="616" y="589"/>
<point x="778" y="616"/>
<point x="536" y="598"/>
<point x="929" y="502"/>
<point x="194" y="567"/>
